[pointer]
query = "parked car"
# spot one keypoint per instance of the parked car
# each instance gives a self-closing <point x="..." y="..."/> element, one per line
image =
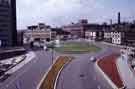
<point x="93" y="59"/>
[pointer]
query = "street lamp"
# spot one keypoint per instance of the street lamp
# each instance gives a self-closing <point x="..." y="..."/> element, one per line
<point x="52" y="54"/>
<point x="53" y="45"/>
<point x="52" y="50"/>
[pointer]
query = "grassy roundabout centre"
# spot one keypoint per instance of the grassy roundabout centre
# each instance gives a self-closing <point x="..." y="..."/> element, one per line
<point x="77" y="47"/>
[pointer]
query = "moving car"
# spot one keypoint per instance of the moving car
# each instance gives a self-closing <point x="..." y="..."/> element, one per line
<point x="93" y="59"/>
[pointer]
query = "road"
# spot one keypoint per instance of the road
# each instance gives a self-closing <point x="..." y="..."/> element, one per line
<point x="126" y="72"/>
<point x="81" y="73"/>
<point x="29" y="76"/>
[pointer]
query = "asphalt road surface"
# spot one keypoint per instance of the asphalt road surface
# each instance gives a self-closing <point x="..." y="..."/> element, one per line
<point x="29" y="75"/>
<point x="81" y="73"/>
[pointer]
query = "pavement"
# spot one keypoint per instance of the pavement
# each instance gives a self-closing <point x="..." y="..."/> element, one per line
<point x="21" y="63"/>
<point x="30" y="74"/>
<point x="125" y="72"/>
<point x="81" y="73"/>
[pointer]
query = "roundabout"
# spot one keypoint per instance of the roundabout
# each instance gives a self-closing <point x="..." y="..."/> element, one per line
<point x="75" y="47"/>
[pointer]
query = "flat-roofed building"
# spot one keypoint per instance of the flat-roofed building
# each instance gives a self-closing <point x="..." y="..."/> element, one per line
<point x="77" y="30"/>
<point x="34" y="33"/>
<point x="83" y="29"/>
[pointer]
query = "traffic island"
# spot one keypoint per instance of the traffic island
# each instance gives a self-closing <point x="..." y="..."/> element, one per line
<point x="77" y="48"/>
<point x="48" y="81"/>
<point x="108" y="67"/>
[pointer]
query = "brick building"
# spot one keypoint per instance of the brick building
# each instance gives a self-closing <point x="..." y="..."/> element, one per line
<point x="83" y="29"/>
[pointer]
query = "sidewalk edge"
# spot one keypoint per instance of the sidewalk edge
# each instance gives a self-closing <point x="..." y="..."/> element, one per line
<point x="106" y="77"/>
<point x="119" y="72"/>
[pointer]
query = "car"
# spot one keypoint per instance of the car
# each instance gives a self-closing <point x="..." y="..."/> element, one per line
<point x="45" y="48"/>
<point x="93" y="59"/>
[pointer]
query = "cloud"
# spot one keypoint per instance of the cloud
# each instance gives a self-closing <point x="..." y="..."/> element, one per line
<point x="60" y="12"/>
<point x="54" y="11"/>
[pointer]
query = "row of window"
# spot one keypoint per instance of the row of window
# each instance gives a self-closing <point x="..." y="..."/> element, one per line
<point x="4" y="2"/>
<point x="116" y="41"/>
<point x="113" y="35"/>
<point x="4" y="26"/>
<point x="3" y="8"/>
<point x="91" y="34"/>
<point x="4" y="12"/>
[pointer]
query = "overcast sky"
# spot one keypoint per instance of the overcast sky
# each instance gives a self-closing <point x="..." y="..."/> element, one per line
<point x="60" y="12"/>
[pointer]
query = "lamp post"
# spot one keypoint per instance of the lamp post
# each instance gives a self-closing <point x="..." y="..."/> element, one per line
<point x="52" y="50"/>
<point x="52" y="54"/>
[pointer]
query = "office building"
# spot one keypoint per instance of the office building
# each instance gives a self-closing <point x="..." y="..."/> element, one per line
<point x="40" y="32"/>
<point x="8" y="32"/>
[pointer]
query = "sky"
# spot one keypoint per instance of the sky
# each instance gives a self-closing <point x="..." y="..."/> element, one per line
<point x="61" y="12"/>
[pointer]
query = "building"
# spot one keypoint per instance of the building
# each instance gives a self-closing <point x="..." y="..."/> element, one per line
<point x="117" y="37"/>
<point x="107" y="35"/>
<point x="94" y="35"/>
<point x="20" y="34"/>
<point x="94" y="32"/>
<point x="38" y="33"/>
<point x="129" y="34"/>
<point x="61" y="34"/>
<point x="120" y="33"/>
<point x="123" y="34"/>
<point x="83" y="29"/>
<point x="8" y="32"/>
<point x="78" y="29"/>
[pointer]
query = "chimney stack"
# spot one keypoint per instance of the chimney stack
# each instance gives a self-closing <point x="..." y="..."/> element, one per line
<point x="119" y="18"/>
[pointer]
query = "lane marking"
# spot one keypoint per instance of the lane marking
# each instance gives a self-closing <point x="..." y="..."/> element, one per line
<point x="98" y="87"/>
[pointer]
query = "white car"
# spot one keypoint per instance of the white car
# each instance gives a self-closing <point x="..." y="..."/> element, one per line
<point x="45" y="47"/>
<point x="93" y="59"/>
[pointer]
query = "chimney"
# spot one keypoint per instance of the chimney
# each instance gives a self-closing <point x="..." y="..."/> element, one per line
<point x="110" y="21"/>
<point x="119" y="18"/>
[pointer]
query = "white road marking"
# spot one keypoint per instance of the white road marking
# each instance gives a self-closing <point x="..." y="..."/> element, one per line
<point x="98" y="87"/>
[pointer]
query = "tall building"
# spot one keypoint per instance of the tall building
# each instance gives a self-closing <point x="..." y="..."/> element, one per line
<point x="8" y="31"/>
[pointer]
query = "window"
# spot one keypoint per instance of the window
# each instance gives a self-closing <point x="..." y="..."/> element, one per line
<point x="94" y="34"/>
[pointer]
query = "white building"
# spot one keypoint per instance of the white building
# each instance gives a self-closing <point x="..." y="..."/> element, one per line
<point x="39" y="32"/>
<point x="116" y="37"/>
